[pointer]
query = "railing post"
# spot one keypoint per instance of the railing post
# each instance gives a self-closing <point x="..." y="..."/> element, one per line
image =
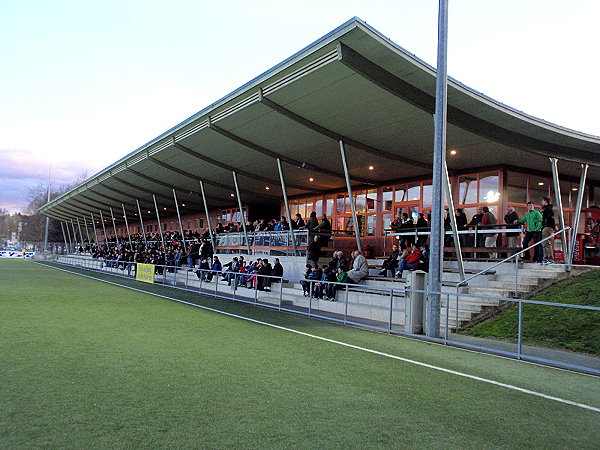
<point x="346" y="307"/>
<point x="520" y="331"/>
<point x="391" y="308"/>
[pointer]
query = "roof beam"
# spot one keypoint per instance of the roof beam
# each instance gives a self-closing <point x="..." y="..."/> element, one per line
<point x="293" y="162"/>
<point x="214" y="162"/>
<point x="457" y="117"/>
<point x="195" y="178"/>
<point x="338" y="137"/>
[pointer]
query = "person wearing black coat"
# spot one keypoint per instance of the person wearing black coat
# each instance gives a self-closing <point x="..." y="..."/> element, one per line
<point x="548" y="228"/>
<point x="390" y="264"/>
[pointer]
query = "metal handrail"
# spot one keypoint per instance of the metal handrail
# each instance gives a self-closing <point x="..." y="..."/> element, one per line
<point x="463" y="282"/>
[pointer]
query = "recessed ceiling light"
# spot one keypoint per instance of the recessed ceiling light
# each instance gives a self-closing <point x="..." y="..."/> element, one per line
<point x="267" y="188"/>
<point x="573" y="189"/>
<point x="540" y="183"/>
<point x="232" y="195"/>
<point x="453" y="152"/>
<point x="371" y="167"/>
<point x="311" y="179"/>
<point x="165" y="209"/>
<point x="183" y="204"/>
<point x="149" y="212"/>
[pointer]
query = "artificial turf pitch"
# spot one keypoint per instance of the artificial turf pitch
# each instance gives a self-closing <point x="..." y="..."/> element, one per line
<point x="88" y="364"/>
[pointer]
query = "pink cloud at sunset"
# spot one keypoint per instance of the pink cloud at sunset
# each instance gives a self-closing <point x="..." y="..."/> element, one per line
<point x="22" y="169"/>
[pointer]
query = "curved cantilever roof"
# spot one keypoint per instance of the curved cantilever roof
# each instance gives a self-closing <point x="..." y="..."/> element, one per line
<point x="353" y="84"/>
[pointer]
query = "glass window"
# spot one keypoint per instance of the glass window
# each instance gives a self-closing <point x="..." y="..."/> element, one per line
<point x="302" y="208"/>
<point x="371" y="224"/>
<point x="361" y="202"/>
<point x="468" y="190"/>
<point x="330" y="203"/>
<point x="339" y="224"/>
<point x="538" y="187"/>
<point x="427" y="195"/>
<point x="488" y="188"/>
<point x="372" y="200"/>
<point x="339" y="204"/>
<point x="319" y="207"/>
<point x="470" y="212"/>
<point x="517" y="187"/>
<point x="387" y="220"/>
<point x="388" y="197"/>
<point x="293" y="207"/>
<point x="400" y="194"/>
<point x="414" y="192"/>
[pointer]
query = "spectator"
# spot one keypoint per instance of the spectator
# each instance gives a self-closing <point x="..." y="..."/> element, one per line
<point x="391" y="263"/>
<point x="298" y="222"/>
<point x="548" y="229"/>
<point x="312" y="274"/>
<point x="411" y="262"/>
<point x="313" y="251"/>
<point x="216" y="269"/>
<point x="360" y="267"/>
<point x="511" y="218"/>
<point x="533" y="219"/>
<point x="324" y="230"/>
<point x="490" y="238"/>
<point x="276" y="271"/>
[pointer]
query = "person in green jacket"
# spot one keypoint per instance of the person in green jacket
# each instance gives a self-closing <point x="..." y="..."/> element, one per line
<point x="533" y="219"/>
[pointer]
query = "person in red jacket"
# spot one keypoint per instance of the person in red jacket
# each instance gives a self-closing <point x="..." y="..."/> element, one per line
<point x="410" y="262"/>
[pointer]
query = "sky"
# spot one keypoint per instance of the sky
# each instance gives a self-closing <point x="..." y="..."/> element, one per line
<point x="83" y="83"/>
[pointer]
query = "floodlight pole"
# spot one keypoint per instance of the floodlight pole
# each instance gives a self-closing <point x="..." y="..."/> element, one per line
<point x="47" y="217"/>
<point x="451" y="213"/>
<point x="114" y="225"/>
<point x="142" y="222"/>
<point x="127" y="226"/>
<point x="162" y="238"/>
<point x="350" y="196"/>
<point x="573" y="240"/>
<point x="436" y="260"/>
<point x="64" y="236"/>
<point x="558" y="201"/>
<point x="104" y="229"/>
<point x="237" y="193"/>
<point x="210" y="230"/>
<point x="179" y="218"/>
<point x="287" y="206"/>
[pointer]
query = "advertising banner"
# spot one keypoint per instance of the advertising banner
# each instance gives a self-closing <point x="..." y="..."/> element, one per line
<point x="16" y="254"/>
<point x="145" y="273"/>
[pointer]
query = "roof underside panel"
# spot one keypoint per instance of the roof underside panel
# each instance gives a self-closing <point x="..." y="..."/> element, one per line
<point x="353" y="85"/>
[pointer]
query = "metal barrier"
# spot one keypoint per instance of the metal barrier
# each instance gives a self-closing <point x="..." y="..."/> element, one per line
<point x="381" y="309"/>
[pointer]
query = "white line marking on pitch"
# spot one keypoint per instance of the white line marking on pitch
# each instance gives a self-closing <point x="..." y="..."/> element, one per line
<point x="356" y="347"/>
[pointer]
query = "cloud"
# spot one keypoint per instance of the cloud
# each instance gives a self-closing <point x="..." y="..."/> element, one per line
<point x="21" y="169"/>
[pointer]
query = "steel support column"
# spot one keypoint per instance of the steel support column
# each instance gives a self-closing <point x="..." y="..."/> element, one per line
<point x="141" y="222"/>
<point x="74" y="233"/>
<point x="114" y="226"/>
<point x="237" y="193"/>
<point x="70" y="248"/>
<point x="95" y="232"/>
<point x="457" y="244"/>
<point x="210" y="230"/>
<point x="434" y="304"/>
<point x="104" y="229"/>
<point x="62" y="227"/>
<point x="162" y="238"/>
<point x="573" y="239"/>
<point x="558" y="202"/>
<point x="87" y="230"/>
<point x="350" y="196"/>
<point x="79" y="227"/>
<point x="287" y="206"/>
<point x="127" y="227"/>
<point x="180" y="224"/>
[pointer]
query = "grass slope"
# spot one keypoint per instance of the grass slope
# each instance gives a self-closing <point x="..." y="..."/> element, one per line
<point x="567" y="328"/>
<point x="87" y="364"/>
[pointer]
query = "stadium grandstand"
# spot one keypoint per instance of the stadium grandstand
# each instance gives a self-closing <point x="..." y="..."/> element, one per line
<point x="268" y="170"/>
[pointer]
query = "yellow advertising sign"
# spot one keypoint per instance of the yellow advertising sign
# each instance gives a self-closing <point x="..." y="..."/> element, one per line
<point x="145" y="273"/>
